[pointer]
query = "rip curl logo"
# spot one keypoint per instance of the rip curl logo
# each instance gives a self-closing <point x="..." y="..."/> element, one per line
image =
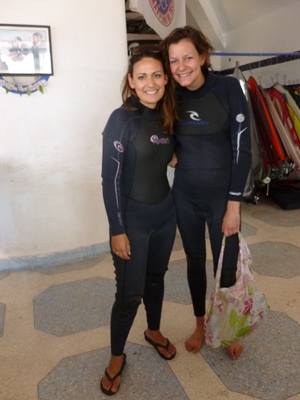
<point x="118" y="146"/>
<point x="163" y="10"/>
<point x="196" y="120"/>
<point x="194" y="115"/>
<point x="156" y="140"/>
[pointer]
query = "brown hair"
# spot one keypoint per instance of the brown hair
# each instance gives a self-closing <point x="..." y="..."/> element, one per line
<point x="195" y="36"/>
<point x="167" y="105"/>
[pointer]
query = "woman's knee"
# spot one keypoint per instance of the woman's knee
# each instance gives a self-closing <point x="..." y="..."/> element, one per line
<point x="195" y="262"/>
<point x="155" y="281"/>
<point x="127" y="305"/>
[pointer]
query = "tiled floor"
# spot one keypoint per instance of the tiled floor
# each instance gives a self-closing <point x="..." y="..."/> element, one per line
<point x="54" y="328"/>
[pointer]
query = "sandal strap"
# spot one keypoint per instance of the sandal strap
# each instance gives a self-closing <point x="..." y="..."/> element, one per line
<point x="164" y="346"/>
<point x="118" y="373"/>
<point x="111" y="380"/>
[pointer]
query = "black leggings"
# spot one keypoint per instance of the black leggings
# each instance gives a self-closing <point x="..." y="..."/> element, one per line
<point x="196" y="207"/>
<point x="151" y="231"/>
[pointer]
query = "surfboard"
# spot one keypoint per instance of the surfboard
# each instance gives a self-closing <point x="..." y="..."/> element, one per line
<point x="291" y="149"/>
<point x="277" y="157"/>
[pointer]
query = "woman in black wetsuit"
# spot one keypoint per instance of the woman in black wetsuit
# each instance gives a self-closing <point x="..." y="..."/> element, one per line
<point x="137" y="147"/>
<point x="214" y="157"/>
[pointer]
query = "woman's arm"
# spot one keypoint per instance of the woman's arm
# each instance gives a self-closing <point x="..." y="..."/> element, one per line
<point x="241" y="156"/>
<point x="115" y="138"/>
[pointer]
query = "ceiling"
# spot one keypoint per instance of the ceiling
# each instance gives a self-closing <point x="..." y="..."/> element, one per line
<point x="233" y="14"/>
<point x="217" y="18"/>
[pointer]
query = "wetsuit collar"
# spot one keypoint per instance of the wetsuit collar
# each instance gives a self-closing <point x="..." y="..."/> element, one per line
<point x="149" y="113"/>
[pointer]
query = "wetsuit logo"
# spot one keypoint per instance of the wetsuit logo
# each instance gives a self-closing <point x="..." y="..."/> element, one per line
<point x="156" y="140"/>
<point x="240" y="118"/>
<point x="118" y="146"/>
<point x="194" y="115"/>
<point x="164" y="10"/>
<point x="235" y="193"/>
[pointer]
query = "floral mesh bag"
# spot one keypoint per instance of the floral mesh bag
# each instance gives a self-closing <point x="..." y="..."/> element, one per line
<point x="234" y="312"/>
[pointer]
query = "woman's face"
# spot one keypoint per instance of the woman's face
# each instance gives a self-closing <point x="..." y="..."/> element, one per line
<point x="185" y="63"/>
<point x="148" y="80"/>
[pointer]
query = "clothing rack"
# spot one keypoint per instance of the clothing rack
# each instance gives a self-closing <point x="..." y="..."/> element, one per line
<point x="276" y="58"/>
<point x="275" y="129"/>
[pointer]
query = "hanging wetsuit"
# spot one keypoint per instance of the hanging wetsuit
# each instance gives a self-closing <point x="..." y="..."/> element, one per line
<point x="138" y="202"/>
<point x="214" y="157"/>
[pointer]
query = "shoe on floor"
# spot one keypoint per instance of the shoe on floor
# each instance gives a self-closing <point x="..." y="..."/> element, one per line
<point x="109" y="392"/>
<point x="157" y="346"/>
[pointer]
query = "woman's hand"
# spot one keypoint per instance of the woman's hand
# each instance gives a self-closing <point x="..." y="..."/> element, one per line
<point x="120" y="246"/>
<point x="173" y="162"/>
<point x="232" y="219"/>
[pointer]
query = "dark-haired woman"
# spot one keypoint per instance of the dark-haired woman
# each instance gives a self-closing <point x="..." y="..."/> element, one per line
<point x="137" y="147"/>
<point x="214" y="157"/>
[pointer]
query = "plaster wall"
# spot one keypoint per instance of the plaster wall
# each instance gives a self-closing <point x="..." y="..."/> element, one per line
<point x="51" y="208"/>
<point x="50" y="144"/>
<point x="274" y="32"/>
<point x="277" y="32"/>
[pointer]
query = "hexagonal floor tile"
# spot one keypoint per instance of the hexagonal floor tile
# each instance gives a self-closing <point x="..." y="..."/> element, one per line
<point x="3" y="274"/>
<point x="74" y="307"/>
<point x="278" y="217"/>
<point x="248" y="230"/>
<point x="269" y="366"/>
<point x="275" y="259"/>
<point x="73" y="266"/>
<point x="145" y="376"/>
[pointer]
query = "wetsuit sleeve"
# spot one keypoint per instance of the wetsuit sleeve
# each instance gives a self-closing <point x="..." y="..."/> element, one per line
<point x="240" y="140"/>
<point x="115" y="139"/>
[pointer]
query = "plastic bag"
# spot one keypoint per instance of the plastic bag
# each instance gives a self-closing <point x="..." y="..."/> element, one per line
<point x="234" y="312"/>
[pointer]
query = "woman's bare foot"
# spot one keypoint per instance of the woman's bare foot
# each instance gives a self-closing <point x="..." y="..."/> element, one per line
<point x="114" y="367"/>
<point x="234" y="351"/>
<point x="194" y="343"/>
<point x="157" y="338"/>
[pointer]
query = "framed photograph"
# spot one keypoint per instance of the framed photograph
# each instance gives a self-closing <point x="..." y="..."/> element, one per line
<point x="25" y="50"/>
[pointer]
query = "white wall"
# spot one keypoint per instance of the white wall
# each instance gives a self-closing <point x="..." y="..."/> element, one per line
<point x="50" y="144"/>
<point x="51" y="208"/>
<point x="275" y="33"/>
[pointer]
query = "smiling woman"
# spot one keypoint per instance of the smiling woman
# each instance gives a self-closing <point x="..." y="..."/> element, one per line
<point x="185" y="64"/>
<point x="148" y="80"/>
<point x="214" y="157"/>
<point x="138" y="145"/>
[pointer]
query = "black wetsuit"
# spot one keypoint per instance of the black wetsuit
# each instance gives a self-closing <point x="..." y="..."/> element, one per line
<point x="214" y="157"/>
<point x="138" y="202"/>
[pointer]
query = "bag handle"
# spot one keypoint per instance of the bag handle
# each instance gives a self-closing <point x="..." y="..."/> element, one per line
<point x="220" y="264"/>
<point x="244" y="255"/>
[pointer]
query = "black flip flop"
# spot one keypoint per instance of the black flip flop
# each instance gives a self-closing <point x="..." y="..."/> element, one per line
<point x="111" y="380"/>
<point x="157" y="345"/>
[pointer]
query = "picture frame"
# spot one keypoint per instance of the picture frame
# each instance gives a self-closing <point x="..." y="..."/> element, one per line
<point x="25" y="50"/>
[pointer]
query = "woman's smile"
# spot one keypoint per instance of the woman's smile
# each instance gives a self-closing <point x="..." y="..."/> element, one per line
<point x="149" y="81"/>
